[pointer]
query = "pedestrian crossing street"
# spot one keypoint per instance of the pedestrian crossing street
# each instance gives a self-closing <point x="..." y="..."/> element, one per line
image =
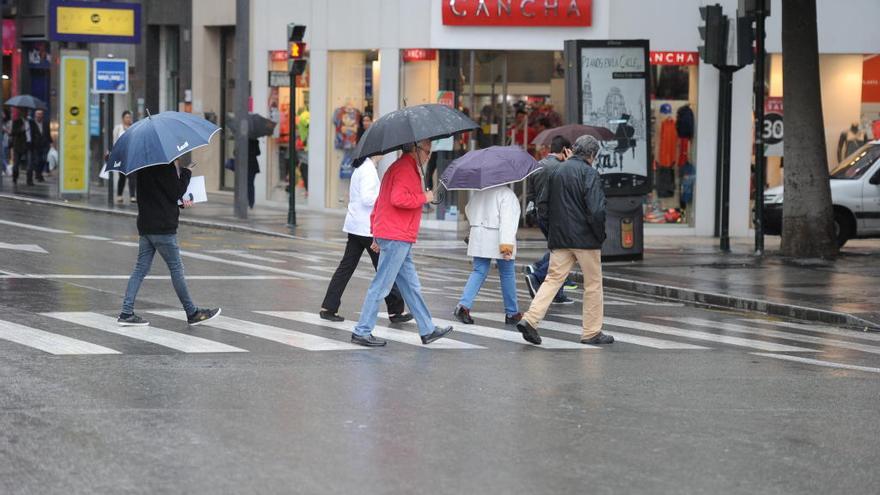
<point x="92" y="333"/>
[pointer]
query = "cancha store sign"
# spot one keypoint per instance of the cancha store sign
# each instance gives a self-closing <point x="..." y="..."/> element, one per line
<point x="553" y="13"/>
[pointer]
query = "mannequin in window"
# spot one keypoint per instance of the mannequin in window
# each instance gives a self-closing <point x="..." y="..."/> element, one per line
<point x="850" y="140"/>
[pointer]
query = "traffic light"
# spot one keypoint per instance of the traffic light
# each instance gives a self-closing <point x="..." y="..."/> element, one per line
<point x="745" y="39"/>
<point x="296" y="63"/>
<point x="713" y="33"/>
<point x="297" y="50"/>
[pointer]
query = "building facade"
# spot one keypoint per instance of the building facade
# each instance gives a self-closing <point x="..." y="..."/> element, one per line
<point x="373" y="56"/>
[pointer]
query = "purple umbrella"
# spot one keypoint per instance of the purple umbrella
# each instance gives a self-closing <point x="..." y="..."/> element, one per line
<point x="494" y="166"/>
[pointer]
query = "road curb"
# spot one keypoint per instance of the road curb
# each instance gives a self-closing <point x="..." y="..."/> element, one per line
<point x="636" y="286"/>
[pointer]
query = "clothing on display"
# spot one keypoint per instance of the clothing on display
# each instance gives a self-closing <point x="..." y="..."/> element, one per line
<point x="684" y="122"/>
<point x="688" y="175"/>
<point x="850" y="140"/>
<point x="665" y="182"/>
<point x="668" y="140"/>
<point x="875" y="129"/>
<point x="346" y="167"/>
<point x="345" y="121"/>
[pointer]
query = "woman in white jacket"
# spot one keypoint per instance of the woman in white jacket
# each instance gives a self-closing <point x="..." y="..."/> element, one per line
<point x="362" y="194"/>
<point x="494" y="218"/>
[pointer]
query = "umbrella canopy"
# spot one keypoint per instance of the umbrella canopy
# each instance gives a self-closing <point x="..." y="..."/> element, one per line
<point x="259" y="126"/>
<point x="571" y="132"/>
<point x="25" y="101"/>
<point x="494" y="166"/>
<point x="410" y="125"/>
<point x="158" y="140"/>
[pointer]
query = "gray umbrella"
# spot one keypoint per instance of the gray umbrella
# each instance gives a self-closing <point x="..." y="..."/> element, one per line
<point x="494" y="166"/>
<point x="259" y="126"/>
<point x="25" y="101"/>
<point x="410" y="125"/>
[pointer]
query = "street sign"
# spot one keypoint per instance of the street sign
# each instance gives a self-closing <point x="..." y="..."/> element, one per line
<point x="74" y="116"/>
<point x="111" y="75"/>
<point x="94" y="22"/>
<point x="94" y="120"/>
<point x="279" y="78"/>
<point x="774" y="127"/>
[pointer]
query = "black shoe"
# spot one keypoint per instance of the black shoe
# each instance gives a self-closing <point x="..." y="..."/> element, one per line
<point x="512" y="319"/>
<point x="202" y="315"/>
<point x="330" y="316"/>
<point x="400" y="318"/>
<point x="131" y="320"/>
<point x="439" y="332"/>
<point x="599" y="339"/>
<point x="532" y="284"/>
<point x="41" y="179"/>
<point x="463" y="315"/>
<point x="368" y="341"/>
<point x="563" y="299"/>
<point x="530" y="269"/>
<point x="528" y="332"/>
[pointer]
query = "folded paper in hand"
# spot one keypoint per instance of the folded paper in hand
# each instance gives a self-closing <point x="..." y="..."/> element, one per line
<point x="196" y="190"/>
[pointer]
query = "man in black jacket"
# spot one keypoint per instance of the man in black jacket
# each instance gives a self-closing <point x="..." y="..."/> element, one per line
<point x="24" y="133"/>
<point x="572" y="205"/>
<point x="158" y="189"/>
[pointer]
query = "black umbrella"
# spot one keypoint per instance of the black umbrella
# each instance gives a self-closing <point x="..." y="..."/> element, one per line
<point x="25" y="101"/>
<point x="411" y="125"/>
<point x="259" y="126"/>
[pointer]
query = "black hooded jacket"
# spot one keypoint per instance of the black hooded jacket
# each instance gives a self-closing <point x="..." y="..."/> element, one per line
<point x="158" y="189"/>
<point x="572" y="205"/>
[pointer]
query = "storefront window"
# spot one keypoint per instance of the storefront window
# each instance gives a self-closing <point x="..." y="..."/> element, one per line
<point x="277" y="145"/>
<point x="674" y="79"/>
<point x="353" y="91"/>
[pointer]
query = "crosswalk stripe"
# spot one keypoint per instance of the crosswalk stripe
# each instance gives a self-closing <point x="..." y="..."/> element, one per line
<point x="809" y="339"/>
<point x="511" y="336"/>
<point x="392" y="334"/>
<point x="34" y="227"/>
<point x="841" y="332"/>
<point x="284" y="336"/>
<point x="252" y="266"/>
<point x="93" y="237"/>
<point x="49" y="342"/>
<point x="246" y="255"/>
<point x="165" y="338"/>
<point x="312" y="258"/>
<point x="817" y="362"/>
<point x="618" y="336"/>
<point x="697" y="335"/>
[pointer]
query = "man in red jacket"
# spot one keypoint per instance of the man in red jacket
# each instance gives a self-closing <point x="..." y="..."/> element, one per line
<point x="395" y="225"/>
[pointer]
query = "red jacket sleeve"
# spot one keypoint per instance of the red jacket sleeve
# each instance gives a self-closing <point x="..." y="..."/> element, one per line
<point x="406" y="194"/>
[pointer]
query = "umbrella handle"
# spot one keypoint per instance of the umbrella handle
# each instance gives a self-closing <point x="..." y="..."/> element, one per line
<point x="439" y="195"/>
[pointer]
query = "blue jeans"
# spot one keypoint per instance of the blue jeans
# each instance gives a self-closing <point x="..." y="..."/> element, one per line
<point x="507" y="272"/>
<point x="395" y="265"/>
<point x="170" y="252"/>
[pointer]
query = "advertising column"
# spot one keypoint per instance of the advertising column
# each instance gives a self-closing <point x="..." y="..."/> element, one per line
<point x="74" y="123"/>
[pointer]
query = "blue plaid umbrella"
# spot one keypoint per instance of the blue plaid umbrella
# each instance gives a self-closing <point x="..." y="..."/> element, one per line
<point x="159" y="140"/>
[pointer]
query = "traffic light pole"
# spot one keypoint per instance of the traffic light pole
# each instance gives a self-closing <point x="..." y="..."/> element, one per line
<point x="291" y="151"/>
<point x="760" y="168"/>
<point x="725" y="103"/>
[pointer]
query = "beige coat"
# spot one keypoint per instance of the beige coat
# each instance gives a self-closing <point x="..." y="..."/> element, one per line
<point x="494" y="218"/>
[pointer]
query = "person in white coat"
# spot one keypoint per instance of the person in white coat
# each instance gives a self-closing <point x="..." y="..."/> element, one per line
<point x="362" y="194"/>
<point x="493" y="215"/>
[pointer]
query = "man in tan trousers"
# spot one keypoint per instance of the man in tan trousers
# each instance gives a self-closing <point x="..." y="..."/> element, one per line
<point x="572" y="205"/>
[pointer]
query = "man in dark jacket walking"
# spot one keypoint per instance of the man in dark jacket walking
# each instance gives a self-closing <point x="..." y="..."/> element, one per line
<point x="572" y="205"/>
<point x="24" y="136"/>
<point x="158" y="189"/>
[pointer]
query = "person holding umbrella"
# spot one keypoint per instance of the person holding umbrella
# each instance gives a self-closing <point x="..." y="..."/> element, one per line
<point x="24" y="137"/>
<point x="396" y="216"/>
<point x="493" y="213"/>
<point x="151" y="148"/>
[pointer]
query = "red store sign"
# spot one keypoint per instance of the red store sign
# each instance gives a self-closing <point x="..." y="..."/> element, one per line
<point x="531" y="13"/>
<point x="675" y="58"/>
<point x="419" y="55"/>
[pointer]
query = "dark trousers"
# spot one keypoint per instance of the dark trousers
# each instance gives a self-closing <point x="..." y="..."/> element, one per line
<point x="132" y="185"/>
<point x="252" y="175"/>
<point x="25" y="161"/>
<point x="543" y="264"/>
<point x="354" y="248"/>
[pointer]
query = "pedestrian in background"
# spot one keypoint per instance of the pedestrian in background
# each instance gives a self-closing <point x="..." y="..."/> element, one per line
<point x="362" y="194"/>
<point x="159" y="188"/>
<point x="395" y="225"/>
<point x="572" y="205"/>
<point x="118" y="131"/>
<point x="493" y="215"/>
<point x="560" y="150"/>
<point x="253" y="169"/>
<point x="23" y="134"/>
<point x="42" y="143"/>
<point x="6" y="129"/>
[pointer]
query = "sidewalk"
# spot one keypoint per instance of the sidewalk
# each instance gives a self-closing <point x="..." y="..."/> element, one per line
<point x="845" y="291"/>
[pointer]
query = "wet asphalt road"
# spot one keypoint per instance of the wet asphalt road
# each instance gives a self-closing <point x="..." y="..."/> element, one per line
<point x="689" y="400"/>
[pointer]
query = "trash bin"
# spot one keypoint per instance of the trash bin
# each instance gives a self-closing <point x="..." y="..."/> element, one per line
<point x="624" y="229"/>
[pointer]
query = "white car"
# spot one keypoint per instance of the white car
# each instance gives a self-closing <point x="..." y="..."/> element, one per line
<point x="855" y="193"/>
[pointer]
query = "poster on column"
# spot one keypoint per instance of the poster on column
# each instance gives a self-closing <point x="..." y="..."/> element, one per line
<point x="74" y="125"/>
<point x="611" y="87"/>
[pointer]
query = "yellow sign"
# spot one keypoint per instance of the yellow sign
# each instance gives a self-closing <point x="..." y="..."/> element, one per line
<point x="96" y="21"/>
<point x="74" y="116"/>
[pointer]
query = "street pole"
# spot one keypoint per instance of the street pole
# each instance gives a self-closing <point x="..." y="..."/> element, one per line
<point x="108" y="143"/>
<point x="242" y="62"/>
<point x="291" y="152"/>
<point x="726" y="96"/>
<point x="760" y="15"/>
